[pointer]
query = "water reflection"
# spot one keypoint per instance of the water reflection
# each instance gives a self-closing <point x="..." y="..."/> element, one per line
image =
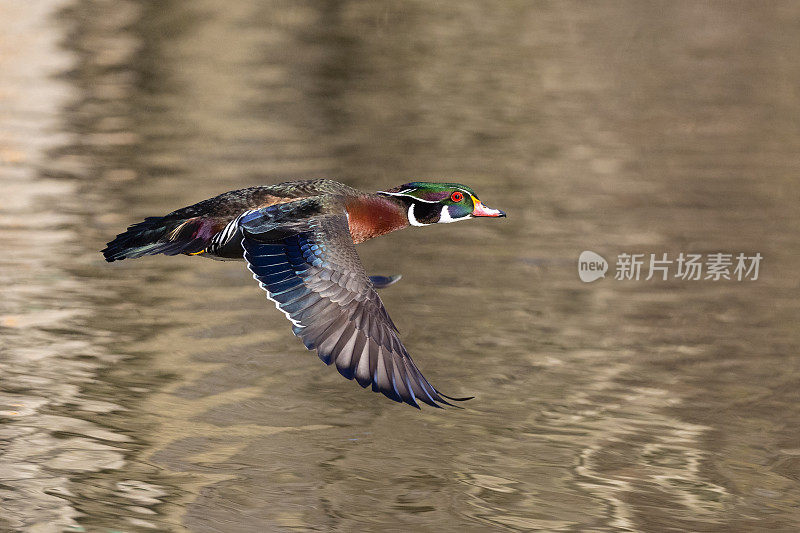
<point x="165" y="393"/>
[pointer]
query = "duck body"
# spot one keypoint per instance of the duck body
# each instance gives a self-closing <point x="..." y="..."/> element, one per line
<point x="209" y="228"/>
<point x="298" y="239"/>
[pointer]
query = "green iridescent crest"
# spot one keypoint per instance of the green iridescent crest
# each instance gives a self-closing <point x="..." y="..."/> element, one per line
<point x="432" y="192"/>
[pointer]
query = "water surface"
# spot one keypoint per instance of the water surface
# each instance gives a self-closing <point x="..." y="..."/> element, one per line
<point x="168" y="394"/>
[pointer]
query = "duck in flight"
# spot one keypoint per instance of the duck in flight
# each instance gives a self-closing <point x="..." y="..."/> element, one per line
<point x="298" y="239"/>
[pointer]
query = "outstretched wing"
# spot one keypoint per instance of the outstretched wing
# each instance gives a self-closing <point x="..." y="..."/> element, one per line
<point x="311" y="270"/>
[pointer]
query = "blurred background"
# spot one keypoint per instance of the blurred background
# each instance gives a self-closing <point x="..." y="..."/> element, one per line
<point x="168" y="394"/>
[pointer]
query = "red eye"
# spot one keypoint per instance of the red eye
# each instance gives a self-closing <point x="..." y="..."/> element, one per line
<point x="456" y="196"/>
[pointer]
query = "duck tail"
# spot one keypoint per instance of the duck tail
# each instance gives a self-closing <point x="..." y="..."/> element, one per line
<point x="161" y="235"/>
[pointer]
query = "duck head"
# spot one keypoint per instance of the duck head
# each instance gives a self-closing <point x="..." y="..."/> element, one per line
<point x="439" y="203"/>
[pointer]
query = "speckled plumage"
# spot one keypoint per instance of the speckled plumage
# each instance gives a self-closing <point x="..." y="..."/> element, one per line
<point x="298" y="238"/>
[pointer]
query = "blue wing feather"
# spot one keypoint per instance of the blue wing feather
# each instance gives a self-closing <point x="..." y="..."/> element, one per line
<point x="310" y="269"/>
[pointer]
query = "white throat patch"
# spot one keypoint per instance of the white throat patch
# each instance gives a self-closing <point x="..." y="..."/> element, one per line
<point x="445" y="217"/>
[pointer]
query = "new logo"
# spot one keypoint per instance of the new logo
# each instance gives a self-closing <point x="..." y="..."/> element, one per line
<point x="591" y="266"/>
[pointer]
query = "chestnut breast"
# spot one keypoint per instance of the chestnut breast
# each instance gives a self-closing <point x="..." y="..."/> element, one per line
<point x="371" y="216"/>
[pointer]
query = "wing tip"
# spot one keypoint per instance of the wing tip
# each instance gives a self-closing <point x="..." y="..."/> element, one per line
<point x="464" y="399"/>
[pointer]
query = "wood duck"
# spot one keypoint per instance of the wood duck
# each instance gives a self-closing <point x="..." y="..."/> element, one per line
<point x="298" y="239"/>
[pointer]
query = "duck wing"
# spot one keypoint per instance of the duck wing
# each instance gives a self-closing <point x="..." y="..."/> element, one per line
<point x="306" y="261"/>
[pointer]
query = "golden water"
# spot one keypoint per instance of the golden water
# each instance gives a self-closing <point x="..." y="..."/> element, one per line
<point x="167" y="393"/>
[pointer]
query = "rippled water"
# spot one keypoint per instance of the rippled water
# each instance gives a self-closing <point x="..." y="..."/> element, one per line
<point x="166" y="393"/>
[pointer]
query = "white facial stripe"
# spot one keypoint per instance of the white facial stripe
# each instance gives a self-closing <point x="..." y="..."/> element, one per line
<point x="412" y="219"/>
<point x="445" y="217"/>
<point x="405" y="193"/>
